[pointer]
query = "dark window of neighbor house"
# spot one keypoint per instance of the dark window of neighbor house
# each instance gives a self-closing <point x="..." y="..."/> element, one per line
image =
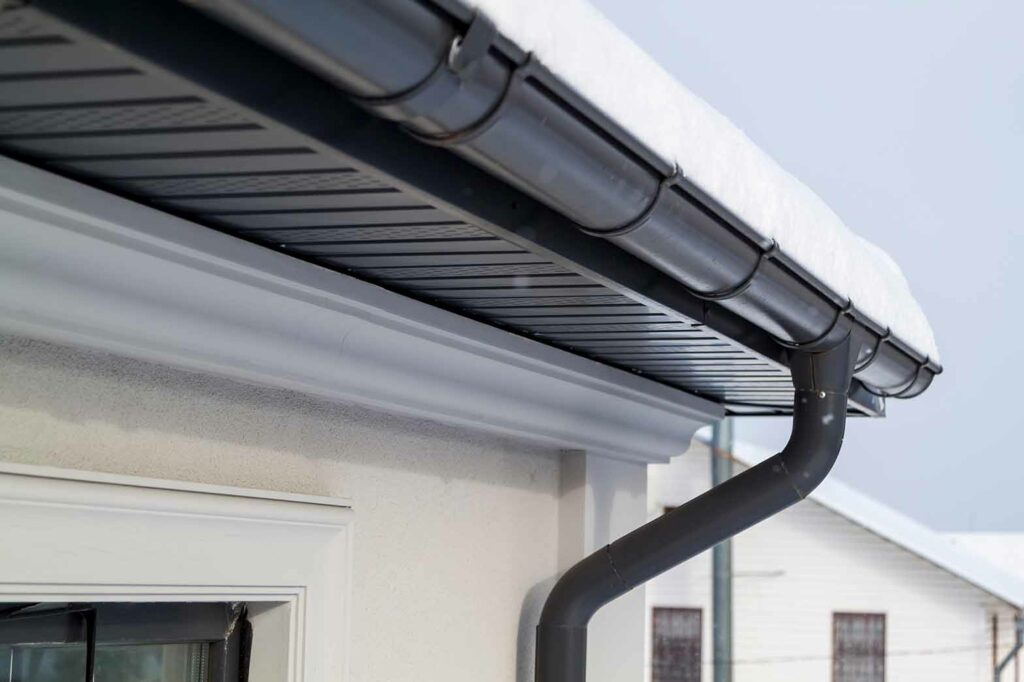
<point x="676" y="644"/>
<point x="125" y="642"/>
<point x="858" y="647"/>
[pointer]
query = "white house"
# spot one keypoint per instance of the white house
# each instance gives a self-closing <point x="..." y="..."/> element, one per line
<point x="337" y="337"/>
<point x="806" y="579"/>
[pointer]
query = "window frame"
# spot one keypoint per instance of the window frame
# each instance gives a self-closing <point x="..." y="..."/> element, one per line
<point x="89" y="537"/>
<point x="836" y="616"/>
<point x="221" y="626"/>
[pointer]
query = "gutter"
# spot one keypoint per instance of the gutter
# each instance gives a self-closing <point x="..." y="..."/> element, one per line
<point x="821" y="380"/>
<point x="450" y="80"/>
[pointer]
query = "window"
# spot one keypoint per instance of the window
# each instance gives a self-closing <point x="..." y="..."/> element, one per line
<point x="858" y="647"/>
<point x="133" y="550"/>
<point x="676" y="645"/>
<point x="118" y="642"/>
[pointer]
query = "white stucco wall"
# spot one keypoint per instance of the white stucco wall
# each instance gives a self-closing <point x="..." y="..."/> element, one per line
<point x="456" y="532"/>
<point x="794" y="570"/>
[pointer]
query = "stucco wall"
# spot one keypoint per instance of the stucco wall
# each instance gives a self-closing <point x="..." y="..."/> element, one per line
<point x="456" y="532"/>
<point x="794" y="570"/>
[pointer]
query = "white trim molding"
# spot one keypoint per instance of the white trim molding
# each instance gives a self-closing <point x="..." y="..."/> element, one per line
<point x="75" y="537"/>
<point x="83" y="267"/>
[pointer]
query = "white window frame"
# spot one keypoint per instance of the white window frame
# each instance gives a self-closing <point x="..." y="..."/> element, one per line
<point x="91" y="537"/>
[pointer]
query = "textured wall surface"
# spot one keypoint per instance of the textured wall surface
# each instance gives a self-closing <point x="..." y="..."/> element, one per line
<point x="794" y="570"/>
<point x="456" y="532"/>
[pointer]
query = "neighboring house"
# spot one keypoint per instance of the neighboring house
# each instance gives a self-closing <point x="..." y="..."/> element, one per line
<point x="841" y="580"/>
<point x="342" y="332"/>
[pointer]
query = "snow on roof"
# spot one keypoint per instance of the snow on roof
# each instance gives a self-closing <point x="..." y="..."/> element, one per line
<point x="586" y="51"/>
<point x="932" y="546"/>
<point x="1004" y="550"/>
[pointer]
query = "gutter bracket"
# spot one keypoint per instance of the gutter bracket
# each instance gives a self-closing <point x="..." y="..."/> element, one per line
<point x="465" y="53"/>
<point x="519" y="75"/>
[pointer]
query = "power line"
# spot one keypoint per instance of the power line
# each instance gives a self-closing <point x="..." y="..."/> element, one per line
<point x="899" y="653"/>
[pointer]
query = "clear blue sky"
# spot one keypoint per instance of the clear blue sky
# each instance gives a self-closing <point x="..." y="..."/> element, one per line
<point x="907" y="117"/>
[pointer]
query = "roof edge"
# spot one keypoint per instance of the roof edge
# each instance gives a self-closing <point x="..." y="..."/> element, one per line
<point x="815" y="315"/>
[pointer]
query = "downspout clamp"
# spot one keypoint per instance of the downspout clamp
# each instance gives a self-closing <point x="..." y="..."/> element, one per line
<point x="822" y="380"/>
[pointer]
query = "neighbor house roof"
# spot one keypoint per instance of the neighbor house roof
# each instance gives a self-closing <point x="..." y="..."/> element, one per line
<point x="1004" y="549"/>
<point x="935" y="547"/>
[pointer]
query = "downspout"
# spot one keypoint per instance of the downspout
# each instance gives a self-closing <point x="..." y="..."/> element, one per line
<point x="1018" y="644"/>
<point x="822" y="380"/>
<point x="721" y="562"/>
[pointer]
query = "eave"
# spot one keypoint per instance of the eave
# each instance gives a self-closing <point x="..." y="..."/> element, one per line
<point x="280" y="122"/>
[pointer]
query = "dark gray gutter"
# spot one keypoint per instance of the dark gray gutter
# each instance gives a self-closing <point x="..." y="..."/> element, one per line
<point x="821" y="380"/>
<point x="465" y="88"/>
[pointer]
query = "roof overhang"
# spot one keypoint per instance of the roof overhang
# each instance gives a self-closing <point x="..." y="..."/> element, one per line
<point x="224" y="132"/>
<point x="80" y="266"/>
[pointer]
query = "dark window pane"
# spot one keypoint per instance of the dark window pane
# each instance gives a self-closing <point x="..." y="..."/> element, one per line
<point x="859" y="647"/>
<point x="676" y="640"/>
<point x="134" y="663"/>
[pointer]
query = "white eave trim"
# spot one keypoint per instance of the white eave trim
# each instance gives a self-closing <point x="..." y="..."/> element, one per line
<point x="83" y="267"/>
<point x="148" y="540"/>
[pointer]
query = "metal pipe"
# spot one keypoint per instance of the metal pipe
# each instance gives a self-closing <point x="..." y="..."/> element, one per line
<point x="1018" y="644"/>
<point x="821" y="380"/>
<point x="721" y="562"/>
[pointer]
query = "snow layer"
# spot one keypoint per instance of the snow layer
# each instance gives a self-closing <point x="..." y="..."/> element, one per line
<point x="583" y="48"/>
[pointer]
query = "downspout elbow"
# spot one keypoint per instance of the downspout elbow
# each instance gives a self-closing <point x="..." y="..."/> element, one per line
<point x="821" y="381"/>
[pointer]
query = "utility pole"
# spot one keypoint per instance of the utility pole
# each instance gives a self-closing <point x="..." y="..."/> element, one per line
<point x="721" y="561"/>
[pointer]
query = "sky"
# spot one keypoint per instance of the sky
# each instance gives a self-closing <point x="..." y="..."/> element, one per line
<point x="907" y="117"/>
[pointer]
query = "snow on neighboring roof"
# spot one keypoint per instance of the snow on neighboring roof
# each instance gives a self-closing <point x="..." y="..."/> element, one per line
<point x="1002" y="549"/>
<point x="932" y="546"/>
<point x="586" y="51"/>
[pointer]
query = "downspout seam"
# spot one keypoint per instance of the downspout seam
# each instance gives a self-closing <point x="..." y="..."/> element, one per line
<point x="611" y="563"/>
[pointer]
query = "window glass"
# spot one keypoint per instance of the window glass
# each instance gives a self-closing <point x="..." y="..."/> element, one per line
<point x="133" y="663"/>
<point x="858" y="647"/>
<point x="676" y="642"/>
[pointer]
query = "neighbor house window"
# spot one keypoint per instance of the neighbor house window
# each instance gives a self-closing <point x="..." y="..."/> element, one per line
<point x="858" y="647"/>
<point x="676" y="644"/>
